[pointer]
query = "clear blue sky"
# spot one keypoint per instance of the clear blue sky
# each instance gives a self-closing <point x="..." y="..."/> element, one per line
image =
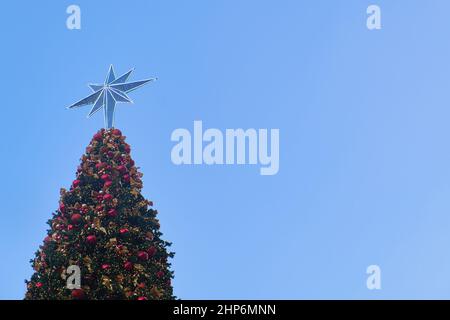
<point x="364" y="135"/>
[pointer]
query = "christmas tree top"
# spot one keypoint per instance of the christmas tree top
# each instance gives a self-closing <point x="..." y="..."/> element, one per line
<point x="105" y="229"/>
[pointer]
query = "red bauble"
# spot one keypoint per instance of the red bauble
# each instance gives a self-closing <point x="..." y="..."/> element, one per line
<point x="78" y="294"/>
<point x="75" y="183"/>
<point x="121" y="169"/>
<point x="84" y="210"/>
<point x="126" y="178"/>
<point x="99" y="166"/>
<point x="76" y="218"/>
<point x="62" y="207"/>
<point x="39" y="284"/>
<point x="141" y="285"/>
<point x="107" y="197"/>
<point x="47" y="239"/>
<point x="107" y="184"/>
<point x="124" y="231"/>
<point x="142" y="255"/>
<point x="127" y="148"/>
<point x="142" y="298"/>
<point x="117" y="132"/>
<point x="91" y="239"/>
<point x="160" y="274"/>
<point x="106" y="177"/>
<point x="112" y="213"/>
<point x="132" y="162"/>
<point x="128" y="266"/>
<point x="69" y="227"/>
<point x="98" y="136"/>
<point x="105" y="266"/>
<point x="151" y="251"/>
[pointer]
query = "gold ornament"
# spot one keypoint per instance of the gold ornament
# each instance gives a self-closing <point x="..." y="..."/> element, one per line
<point x="120" y="278"/>
<point x="139" y="267"/>
<point x="107" y="282"/>
<point x="156" y="292"/>
<point x="149" y="236"/>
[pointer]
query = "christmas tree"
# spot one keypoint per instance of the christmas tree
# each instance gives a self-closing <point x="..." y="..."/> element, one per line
<point x="106" y="228"/>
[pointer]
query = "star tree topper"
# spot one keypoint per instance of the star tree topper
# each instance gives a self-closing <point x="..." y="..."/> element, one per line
<point x="106" y="95"/>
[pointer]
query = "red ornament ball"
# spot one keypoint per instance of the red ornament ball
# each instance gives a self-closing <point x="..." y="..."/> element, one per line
<point x="69" y="227"/>
<point x="76" y="218"/>
<point x="123" y="231"/>
<point x="62" y="207"/>
<point x="142" y="255"/>
<point x="107" y="184"/>
<point x="78" y="294"/>
<point x="117" y="132"/>
<point x="105" y="266"/>
<point x="76" y="183"/>
<point x="128" y="266"/>
<point x="100" y="165"/>
<point x="112" y="213"/>
<point x="98" y="136"/>
<point x="106" y="177"/>
<point x="39" y="284"/>
<point x="141" y="285"/>
<point x="107" y="197"/>
<point x="121" y="169"/>
<point x="151" y="251"/>
<point x="160" y="274"/>
<point x="142" y="298"/>
<point x="126" y="178"/>
<point x="91" y="239"/>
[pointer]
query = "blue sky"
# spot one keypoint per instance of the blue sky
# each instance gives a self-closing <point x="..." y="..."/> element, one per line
<point x="363" y="116"/>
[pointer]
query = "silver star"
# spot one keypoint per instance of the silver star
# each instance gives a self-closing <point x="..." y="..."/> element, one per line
<point x="106" y="95"/>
